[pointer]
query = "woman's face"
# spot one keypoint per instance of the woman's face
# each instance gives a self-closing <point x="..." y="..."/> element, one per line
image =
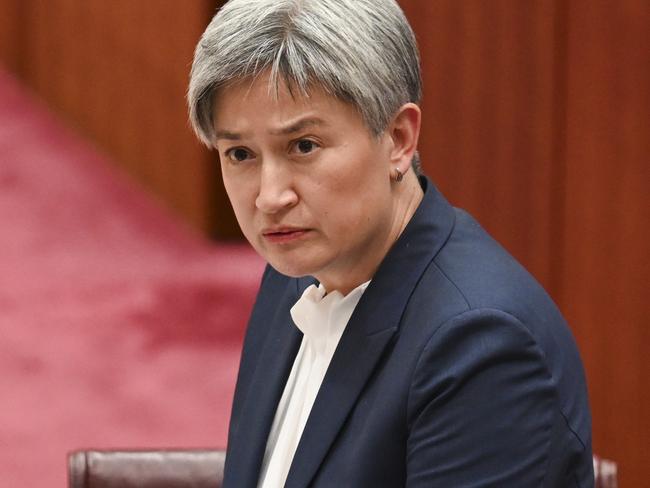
<point x="310" y="185"/>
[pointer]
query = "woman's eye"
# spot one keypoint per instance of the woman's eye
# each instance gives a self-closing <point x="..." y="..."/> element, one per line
<point x="238" y="155"/>
<point x="305" y="146"/>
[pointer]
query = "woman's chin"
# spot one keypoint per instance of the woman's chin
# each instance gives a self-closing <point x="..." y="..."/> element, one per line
<point x="293" y="266"/>
<point x="291" y="269"/>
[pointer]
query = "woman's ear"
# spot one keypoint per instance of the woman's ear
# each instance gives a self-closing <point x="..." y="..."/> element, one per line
<point x="404" y="132"/>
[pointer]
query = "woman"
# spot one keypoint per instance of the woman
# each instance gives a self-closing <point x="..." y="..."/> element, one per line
<point x="393" y="342"/>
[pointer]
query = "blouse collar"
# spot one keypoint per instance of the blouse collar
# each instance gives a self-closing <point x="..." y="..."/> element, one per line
<point x="322" y="316"/>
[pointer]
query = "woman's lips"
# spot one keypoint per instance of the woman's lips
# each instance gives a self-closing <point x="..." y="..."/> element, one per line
<point x="280" y="236"/>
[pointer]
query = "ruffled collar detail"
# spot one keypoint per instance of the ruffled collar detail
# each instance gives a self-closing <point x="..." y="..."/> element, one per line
<point x="322" y="316"/>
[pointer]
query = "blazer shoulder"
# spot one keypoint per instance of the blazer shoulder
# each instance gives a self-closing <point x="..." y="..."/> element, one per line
<point x="487" y="276"/>
<point x="477" y="279"/>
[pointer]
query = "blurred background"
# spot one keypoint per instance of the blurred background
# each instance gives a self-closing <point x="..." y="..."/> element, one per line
<point x="536" y="120"/>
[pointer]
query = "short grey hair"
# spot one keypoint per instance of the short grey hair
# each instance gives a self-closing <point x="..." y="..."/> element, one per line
<point x="362" y="52"/>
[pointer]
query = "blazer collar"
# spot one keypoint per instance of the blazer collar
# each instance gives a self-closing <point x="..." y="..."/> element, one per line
<point x="273" y="361"/>
<point x="370" y="330"/>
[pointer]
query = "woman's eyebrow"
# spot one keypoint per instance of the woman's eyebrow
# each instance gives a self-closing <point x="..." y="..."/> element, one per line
<point x="298" y="126"/>
<point x="291" y="128"/>
<point x="226" y="134"/>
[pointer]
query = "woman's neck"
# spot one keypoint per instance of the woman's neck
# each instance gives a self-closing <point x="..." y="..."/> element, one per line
<point x="408" y="195"/>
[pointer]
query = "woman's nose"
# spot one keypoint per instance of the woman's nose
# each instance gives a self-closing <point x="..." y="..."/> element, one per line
<point x="276" y="190"/>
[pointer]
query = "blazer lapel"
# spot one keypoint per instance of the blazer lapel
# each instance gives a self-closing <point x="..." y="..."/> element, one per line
<point x="265" y="389"/>
<point x="335" y="399"/>
<point x="369" y="332"/>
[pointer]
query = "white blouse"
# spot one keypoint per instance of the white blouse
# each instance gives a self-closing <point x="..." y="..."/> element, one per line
<point x="322" y="319"/>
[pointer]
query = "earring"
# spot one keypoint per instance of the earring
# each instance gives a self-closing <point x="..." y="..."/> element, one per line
<point x="398" y="175"/>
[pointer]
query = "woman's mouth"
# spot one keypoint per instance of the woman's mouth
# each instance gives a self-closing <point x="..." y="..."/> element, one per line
<point x="283" y="235"/>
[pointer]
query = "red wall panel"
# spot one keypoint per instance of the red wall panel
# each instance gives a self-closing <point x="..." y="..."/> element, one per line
<point x="490" y="117"/>
<point x="536" y="120"/>
<point x="607" y="212"/>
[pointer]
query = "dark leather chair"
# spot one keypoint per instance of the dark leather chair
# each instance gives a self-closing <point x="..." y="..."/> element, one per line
<point x="190" y="468"/>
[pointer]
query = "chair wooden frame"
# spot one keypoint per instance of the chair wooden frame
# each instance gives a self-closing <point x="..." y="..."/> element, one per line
<point x="192" y="468"/>
<point x="167" y="468"/>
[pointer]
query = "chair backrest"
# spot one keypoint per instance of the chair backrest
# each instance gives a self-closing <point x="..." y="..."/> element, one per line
<point x="146" y="469"/>
<point x="192" y="468"/>
<point x="605" y="473"/>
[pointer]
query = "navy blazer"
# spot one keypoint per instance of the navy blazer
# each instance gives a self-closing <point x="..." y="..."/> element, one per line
<point x="455" y="370"/>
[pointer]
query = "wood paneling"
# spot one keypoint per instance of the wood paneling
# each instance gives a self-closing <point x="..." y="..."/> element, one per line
<point x="536" y="120"/>
<point x="118" y="71"/>
<point x="10" y="35"/>
<point x="490" y="110"/>
<point x="606" y="235"/>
